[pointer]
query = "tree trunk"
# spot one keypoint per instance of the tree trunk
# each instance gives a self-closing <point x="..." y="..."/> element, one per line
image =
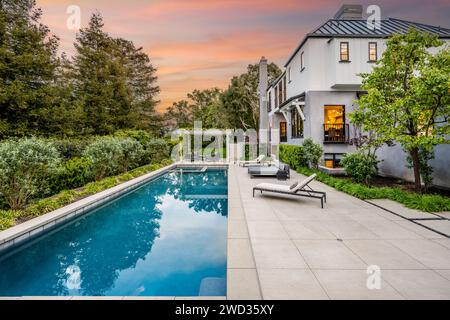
<point x="416" y="167"/>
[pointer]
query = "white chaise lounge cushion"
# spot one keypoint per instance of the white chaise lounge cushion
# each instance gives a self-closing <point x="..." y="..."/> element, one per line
<point x="257" y="160"/>
<point x="284" y="188"/>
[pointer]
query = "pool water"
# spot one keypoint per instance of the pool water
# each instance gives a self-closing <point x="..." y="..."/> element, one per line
<point x="166" y="238"/>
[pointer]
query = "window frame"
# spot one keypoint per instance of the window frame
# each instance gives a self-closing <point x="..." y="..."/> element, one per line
<point x="295" y="121"/>
<point x="341" y="53"/>
<point x="376" y="51"/>
<point x="302" y="61"/>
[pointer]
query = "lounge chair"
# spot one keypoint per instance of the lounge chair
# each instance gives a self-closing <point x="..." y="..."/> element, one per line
<point x="282" y="171"/>
<point x="257" y="161"/>
<point x="301" y="189"/>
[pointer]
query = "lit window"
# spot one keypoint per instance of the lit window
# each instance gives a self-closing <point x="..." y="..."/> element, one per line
<point x="344" y="52"/>
<point x="373" y="55"/>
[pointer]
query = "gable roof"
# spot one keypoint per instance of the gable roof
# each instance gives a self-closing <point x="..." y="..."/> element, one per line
<point x="359" y="29"/>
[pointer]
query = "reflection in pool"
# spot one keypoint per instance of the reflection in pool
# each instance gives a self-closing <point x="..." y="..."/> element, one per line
<point x="167" y="238"/>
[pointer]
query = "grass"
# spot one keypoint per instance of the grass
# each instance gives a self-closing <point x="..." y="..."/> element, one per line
<point x="10" y="218"/>
<point x="412" y="200"/>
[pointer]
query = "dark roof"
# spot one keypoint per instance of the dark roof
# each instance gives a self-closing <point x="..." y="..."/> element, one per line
<point x="359" y="29"/>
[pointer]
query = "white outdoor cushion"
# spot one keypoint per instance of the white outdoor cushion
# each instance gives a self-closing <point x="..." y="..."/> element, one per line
<point x="285" y="188"/>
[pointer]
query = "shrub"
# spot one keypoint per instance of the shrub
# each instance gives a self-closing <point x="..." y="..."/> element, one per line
<point x="71" y="148"/>
<point x="74" y="173"/>
<point x="131" y="154"/>
<point x="361" y="167"/>
<point x="105" y="156"/>
<point x="294" y="156"/>
<point x="25" y="168"/>
<point x="141" y="136"/>
<point x="155" y="151"/>
<point x="313" y="152"/>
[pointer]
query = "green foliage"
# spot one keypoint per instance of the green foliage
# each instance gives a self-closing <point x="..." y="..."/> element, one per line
<point x="156" y="150"/>
<point x="28" y="64"/>
<point x="70" y="148"/>
<point x="25" y="166"/>
<point x="361" y="167"/>
<point x="131" y="154"/>
<point x="313" y="152"/>
<point x="105" y="155"/>
<point x="74" y="173"/>
<point x="408" y="99"/>
<point x="294" y="156"/>
<point x="10" y="218"/>
<point x="425" y="169"/>
<point x="412" y="200"/>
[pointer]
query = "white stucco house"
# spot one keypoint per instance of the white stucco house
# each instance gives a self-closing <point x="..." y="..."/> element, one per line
<point x="320" y="84"/>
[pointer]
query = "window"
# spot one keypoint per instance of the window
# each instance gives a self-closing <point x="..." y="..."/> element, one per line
<point x="284" y="88"/>
<point x="289" y="74"/>
<point x="373" y="55"/>
<point x="333" y="160"/>
<point x="302" y="61"/>
<point x="280" y="92"/>
<point x="344" y="52"/>
<point x="283" y="132"/>
<point x="297" y="124"/>
<point x="269" y="103"/>
<point x="276" y="97"/>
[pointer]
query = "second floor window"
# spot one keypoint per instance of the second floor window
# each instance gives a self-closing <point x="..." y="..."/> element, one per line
<point x="302" y="61"/>
<point x="280" y="92"/>
<point x="297" y="124"/>
<point x="289" y="74"/>
<point x="284" y="89"/>
<point x="269" y="103"/>
<point x="344" y="52"/>
<point x="373" y="55"/>
<point x="276" y="97"/>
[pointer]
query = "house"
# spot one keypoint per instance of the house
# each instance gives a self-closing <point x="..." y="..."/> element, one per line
<point x="320" y="83"/>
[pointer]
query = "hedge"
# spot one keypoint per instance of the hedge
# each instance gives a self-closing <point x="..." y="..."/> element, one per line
<point x="294" y="156"/>
<point x="9" y="218"/>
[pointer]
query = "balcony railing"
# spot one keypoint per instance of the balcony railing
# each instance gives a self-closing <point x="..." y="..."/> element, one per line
<point x="335" y="133"/>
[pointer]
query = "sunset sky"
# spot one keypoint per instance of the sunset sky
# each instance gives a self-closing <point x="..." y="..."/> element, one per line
<point x="197" y="44"/>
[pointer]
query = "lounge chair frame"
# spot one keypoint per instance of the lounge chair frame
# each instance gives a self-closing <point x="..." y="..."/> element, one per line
<point x="303" y="192"/>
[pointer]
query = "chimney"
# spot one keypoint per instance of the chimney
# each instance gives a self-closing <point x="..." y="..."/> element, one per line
<point x="263" y="84"/>
<point x="349" y="12"/>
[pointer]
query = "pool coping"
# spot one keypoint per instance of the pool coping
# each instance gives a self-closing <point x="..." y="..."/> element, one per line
<point x="32" y="229"/>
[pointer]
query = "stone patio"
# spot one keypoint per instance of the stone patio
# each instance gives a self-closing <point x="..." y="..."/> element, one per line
<point x="290" y="248"/>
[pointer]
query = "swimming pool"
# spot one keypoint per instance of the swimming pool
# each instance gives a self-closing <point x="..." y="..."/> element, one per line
<point x="166" y="238"/>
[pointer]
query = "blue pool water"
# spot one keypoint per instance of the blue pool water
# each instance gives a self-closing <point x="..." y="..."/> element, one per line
<point x="167" y="238"/>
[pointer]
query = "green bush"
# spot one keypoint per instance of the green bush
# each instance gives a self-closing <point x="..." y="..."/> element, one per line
<point x="141" y="136"/>
<point x="25" y="168"/>
<point x="361" y="167"/>
<point x="313" y="152"/>
<point x="71" y="148"/>
<point x="74" y="173"/>
<point x="105" y="156"/>
<point x="131" y="154"/>
<point x="155" y="151"/>
<point x="294" y="156"/>
<point x="412" y="200"/>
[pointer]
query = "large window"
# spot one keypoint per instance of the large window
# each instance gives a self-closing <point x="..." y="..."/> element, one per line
<point x="283" y="132"/>
<point x="297" y="124"/>
<point x="344" y="51"/>
<point x="373" y="54"/>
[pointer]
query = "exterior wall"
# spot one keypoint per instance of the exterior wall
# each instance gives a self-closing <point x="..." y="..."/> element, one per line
<point x="394" y="164"/>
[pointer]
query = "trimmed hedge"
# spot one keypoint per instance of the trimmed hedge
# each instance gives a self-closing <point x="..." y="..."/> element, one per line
<point x="10" y="218"/>
<point x="294" y="156"/>
<point x="412" y="200"/>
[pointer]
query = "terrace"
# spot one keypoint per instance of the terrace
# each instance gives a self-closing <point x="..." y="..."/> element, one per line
<point x="284" y="248"/>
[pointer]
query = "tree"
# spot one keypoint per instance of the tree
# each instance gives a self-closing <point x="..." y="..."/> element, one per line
<point x="240" y="101"/>
<point x="113" y="80"/>
<point x="205" y="106"/>
<point x="408" y="98"/>
<point x="28" y="63"/>
<point x="179" y="115"/>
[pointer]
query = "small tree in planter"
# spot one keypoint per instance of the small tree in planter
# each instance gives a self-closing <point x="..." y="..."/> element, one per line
<point x="408" y="97"/>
